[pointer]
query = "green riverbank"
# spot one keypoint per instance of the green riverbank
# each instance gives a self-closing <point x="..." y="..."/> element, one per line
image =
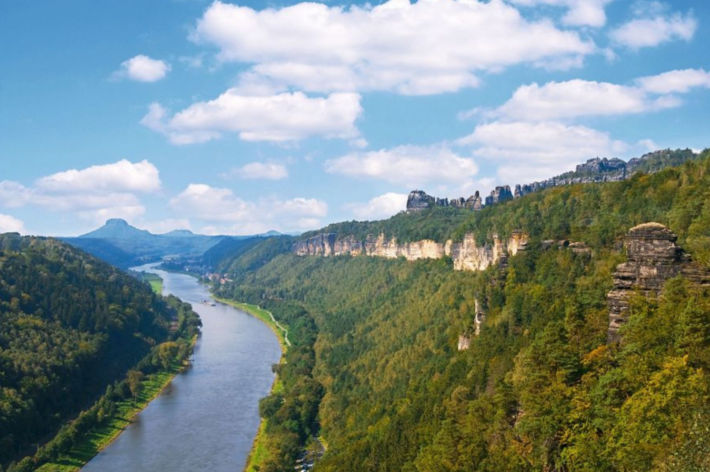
<point x="259" y="451"/>
<point x="96" y="439"/>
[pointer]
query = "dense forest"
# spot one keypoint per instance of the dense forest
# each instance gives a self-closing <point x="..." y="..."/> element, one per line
<point x="540" y="388"/>
<point x="71" y="326"/>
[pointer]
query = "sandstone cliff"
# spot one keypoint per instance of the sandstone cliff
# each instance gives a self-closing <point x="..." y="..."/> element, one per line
<point x="653" y="258"/>
<point x="466" y="254"/>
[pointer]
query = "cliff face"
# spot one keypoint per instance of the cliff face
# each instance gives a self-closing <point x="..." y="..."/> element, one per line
<point x="466" y="255"/>
<point x="653" y="258"/>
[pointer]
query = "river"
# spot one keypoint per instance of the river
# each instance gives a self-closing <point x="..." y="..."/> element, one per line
<point x="206" y="419"/>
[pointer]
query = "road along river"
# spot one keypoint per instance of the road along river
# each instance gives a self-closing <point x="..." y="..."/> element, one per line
<point x="206" y="419"/>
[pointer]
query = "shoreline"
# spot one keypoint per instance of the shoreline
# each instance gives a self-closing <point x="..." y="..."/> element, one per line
<point x="256" y="455"/>
<point x="97" y="439"/>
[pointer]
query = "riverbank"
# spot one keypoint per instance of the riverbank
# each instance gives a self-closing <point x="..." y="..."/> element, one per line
<point x="264" y="315"/>
<point x="99" y="437"/>
<point x="259" y="451"/>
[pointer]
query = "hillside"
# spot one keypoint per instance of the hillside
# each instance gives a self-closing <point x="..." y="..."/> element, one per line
<point x="537" y="385"/>
<point x="70" y="326"/>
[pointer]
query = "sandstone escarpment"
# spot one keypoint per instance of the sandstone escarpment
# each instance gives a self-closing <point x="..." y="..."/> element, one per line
<point x="652" y="258"/>
<point x="466" y="254"/>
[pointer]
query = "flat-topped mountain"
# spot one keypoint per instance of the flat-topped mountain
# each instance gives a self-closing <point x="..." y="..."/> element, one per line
<point x="117" y="228"/>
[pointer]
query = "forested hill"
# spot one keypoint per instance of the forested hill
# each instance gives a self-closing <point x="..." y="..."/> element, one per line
<point x="375" y="369"/>
<point x="70" y="325"/>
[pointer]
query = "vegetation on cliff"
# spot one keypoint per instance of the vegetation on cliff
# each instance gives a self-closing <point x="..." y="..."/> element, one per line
<point x="539" y="388"/>
<point x="71" y="325"/>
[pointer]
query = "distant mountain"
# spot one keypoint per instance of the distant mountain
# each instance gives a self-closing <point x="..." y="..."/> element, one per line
<point x="123" y="245"/>
<point x="117" y="228"/>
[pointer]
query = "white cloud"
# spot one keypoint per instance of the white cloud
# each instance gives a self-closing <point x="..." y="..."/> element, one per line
<point x="648" y="32"/>
<point x="675" y="81"/>
<point x="118" y="176"/>
<point x="316" y="47"/>
<point x="10" y="224"/>
<point x="575" y="98"/>
<point x="224" y="212"/>
<point x="260" y="170"/>
<point x="94" y="193"/>
<point x="579" y="12"/>
<point x="143" y="69"/>
<point x="534" y="151"/>
<point x="409" y="165"/>
<point x="380" y="207"/>
<point x="281" y="117"/>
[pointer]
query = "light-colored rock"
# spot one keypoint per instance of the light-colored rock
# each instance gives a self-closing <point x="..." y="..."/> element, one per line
<point x="466" y="254"/>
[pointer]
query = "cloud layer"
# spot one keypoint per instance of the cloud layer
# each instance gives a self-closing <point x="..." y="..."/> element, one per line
<point x="406" y="165"/>
<point x="534" y="151"/>
<point x="10" y="224"/>
<point x="278" y="118"/>
<point x="652" y="31"/>
<point x="223" y="212"/>
<point x="382" y="206"/>
<point x="315" y="47"/>
<point x="94" y="193"/>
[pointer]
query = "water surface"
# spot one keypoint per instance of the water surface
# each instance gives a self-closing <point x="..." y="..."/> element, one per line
<point x="206" y="419"/>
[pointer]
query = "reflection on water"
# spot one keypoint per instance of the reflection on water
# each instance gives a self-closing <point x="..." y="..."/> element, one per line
<point x="206" y="419"/>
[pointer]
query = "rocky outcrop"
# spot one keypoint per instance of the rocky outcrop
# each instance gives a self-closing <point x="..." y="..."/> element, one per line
<point x="594" y="170"/>
<point x="499" y="195"/>
<point x="464" y="342"/>
<point x="479" y="319"/>
<point x="466" y="254"/>
<point x="652" y="258"/>
<point x="419" y="200"/>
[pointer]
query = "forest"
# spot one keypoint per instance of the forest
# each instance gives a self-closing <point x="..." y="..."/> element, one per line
<point x="71" y="329"/>
<point x="540" y="389"/>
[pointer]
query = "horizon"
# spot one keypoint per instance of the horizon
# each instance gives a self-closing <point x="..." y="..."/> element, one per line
<point x="198" y="116"/>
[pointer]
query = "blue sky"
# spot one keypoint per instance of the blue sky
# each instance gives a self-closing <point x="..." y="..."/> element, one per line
<point x="243" y="117"/>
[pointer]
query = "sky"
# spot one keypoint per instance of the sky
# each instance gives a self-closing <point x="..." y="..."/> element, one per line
<point x="239" y="118"/>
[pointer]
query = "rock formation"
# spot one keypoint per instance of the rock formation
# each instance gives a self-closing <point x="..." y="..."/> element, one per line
<point x="464" y="342"/>
<point x="419" y="200"/>
<point x="479" y="318"/>
<point x="652" y="258"/>
<point x="594" y="170"/>
<point x="498" y="195"/>
<point x="466" y="254"/>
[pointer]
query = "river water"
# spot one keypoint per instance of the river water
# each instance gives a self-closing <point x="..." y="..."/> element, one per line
<point x="206" y="419"/>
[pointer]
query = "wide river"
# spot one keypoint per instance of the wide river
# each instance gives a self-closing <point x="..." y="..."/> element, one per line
<point x="206" y="419"/>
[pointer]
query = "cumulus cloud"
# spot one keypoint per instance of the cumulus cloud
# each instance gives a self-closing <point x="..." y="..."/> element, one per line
<point x="675" y="81"/>
<point x="316" y="47"/>
<point x="409" y="165"/>
<point x="260" y="170"/>
<point x="579" y="12"/>
<point x="281" y="117"/>
<point x="651" y="31"/>
<point x="118" y="176"/>
<point x="143" y="69"/>
<point x="10" y="224"/>
<point x="95" y="193"/>
<point x="578" y="98"/>
<point x="575" y="98"/>
<point x="377" y="208"/>
<point x="534" y="151"/>
<point x="223" y="212"/>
